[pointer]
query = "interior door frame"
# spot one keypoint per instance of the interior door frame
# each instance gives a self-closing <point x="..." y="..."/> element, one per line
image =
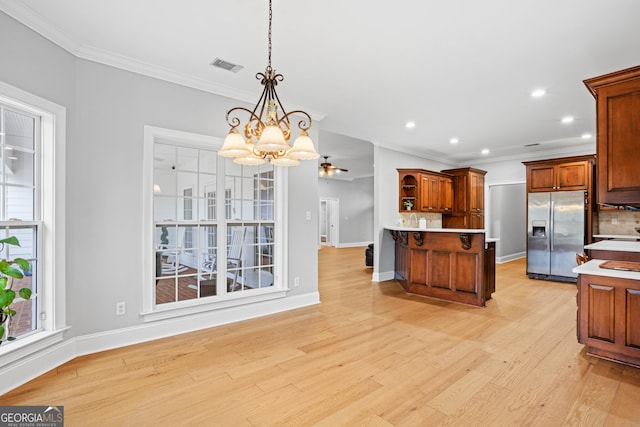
<point x="330" y="216"/>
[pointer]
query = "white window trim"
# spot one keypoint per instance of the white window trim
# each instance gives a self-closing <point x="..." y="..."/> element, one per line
<point x="52" y="202"/>
<point x="149" y="311"/>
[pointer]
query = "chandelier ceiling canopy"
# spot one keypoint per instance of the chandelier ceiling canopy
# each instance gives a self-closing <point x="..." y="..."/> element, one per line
<point x="267" y="131"/>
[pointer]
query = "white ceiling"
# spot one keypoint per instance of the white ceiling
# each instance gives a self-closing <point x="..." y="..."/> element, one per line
<point x="456" y="68"/>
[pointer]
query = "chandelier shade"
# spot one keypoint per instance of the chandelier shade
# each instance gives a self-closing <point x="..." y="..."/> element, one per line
<point x="249" y="158"/>
<point x="268" y="128"/>
<point x="234" y="145"/>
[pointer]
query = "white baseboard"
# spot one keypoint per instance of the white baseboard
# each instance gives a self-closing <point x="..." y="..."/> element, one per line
<point x="383" y="276"/>
<point x="36" y="363"/>
<point x="47" y="358"/>
<point x="510" y="257"/>
<point x="108" y="340"/>
<point x="352" y="245"/>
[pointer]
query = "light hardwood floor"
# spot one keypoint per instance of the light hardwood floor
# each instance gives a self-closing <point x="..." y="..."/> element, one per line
<point x="368" y="355"/>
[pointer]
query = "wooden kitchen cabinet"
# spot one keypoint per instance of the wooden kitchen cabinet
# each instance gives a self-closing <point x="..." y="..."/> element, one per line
<point x="609" y="317"/>
<point x="409" y="181"/>
<point x="468" y="199"/>
<point x="427" y="191"/>
<point x="436" y="193"/>
<point x="617" y="146"/>
<point x="563" y="174"/>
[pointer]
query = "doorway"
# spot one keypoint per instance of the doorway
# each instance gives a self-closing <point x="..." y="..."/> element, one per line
<point x="507" y="219"/>
<point x="329" y="208"/>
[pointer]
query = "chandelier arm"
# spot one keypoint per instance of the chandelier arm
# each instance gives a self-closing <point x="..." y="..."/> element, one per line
<point x="234" y="122"/>
<point x="262" y="103"/>
<point x="303" y="124"/>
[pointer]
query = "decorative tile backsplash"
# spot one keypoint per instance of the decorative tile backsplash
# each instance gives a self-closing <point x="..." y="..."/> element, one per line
<point x="405" y="219"/>
<point x="619" y="222"/>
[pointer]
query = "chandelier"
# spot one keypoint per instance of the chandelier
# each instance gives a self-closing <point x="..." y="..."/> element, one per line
<point x="267" y="132"/>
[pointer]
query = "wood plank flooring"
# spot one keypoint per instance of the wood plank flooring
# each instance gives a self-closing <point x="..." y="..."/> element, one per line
<point x="368" y="355"/>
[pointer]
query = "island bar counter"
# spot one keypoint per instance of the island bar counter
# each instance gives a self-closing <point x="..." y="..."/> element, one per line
<point x="451" y="264"/>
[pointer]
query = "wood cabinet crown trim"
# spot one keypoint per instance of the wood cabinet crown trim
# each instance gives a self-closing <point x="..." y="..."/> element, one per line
<point x="595" y="83"/>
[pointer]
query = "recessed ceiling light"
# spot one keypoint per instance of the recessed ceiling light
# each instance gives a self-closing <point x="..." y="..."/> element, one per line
<point x="538" y="93"/>
<point x="586" y="135"/>
<point x="454" y="140"/>
<point x="567" y="119"/>
<point x="410" y="125"/>
<point x="485" y="151"/>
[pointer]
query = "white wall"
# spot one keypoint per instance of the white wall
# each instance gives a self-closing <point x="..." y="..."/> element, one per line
<point x="356" y="208"/>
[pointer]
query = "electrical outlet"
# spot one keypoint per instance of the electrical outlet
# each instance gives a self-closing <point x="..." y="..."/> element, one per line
<point x="121" y="308"/>
<point x="614" y="220"/>
<point x="308" y="215"/>
<point x="296" y="282"/>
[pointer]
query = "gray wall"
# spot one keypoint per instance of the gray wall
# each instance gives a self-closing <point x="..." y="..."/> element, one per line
<point x="508" y="220"/>
<point x="106" y="111"/>
<point x="356" y="208"/>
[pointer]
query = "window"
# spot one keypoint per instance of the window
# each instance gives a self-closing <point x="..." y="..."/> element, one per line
<point x="32" y="139"/>
<point x="18" y="135"/>
<point x="215" y="225"/>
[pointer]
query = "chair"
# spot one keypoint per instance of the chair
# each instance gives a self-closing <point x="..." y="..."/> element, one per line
<point x="234" y="258"/>
<point x="581" y="258"/>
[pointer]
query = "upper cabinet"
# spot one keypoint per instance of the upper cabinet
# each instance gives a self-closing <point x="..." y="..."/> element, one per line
<point x="468" y="199"/>
<point x="618" y="137"/>
<point x="436" y="193"/>
<point x="425" y="191"/>
<point x="564" y="174"/>
<point x="409" y="190"/>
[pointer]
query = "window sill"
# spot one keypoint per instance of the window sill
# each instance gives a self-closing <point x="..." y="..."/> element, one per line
<point x="13" y="351"/>
<point x="211" y="304"/>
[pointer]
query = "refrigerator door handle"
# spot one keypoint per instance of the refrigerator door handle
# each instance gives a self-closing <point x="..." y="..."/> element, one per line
<point x="551" y="226"/>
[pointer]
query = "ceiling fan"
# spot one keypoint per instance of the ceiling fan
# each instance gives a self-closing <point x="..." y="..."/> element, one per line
<point x="328" y="169"/>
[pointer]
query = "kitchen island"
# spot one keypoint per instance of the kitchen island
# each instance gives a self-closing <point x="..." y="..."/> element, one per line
<point x="609" y="309"/>
<point x="451" y="264"/>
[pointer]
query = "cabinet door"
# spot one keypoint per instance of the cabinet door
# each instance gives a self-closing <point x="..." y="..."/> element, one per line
<point x="573" y="176"/>
<point x="477" y="193"/>
<point x="445" y="204"/>
<point x="541" y="178"/>
<point x="425" y="192"/>
<point x="429" y="193"/>
<point x="618" y="110"/>
<point x="609" y="317"/>
<point x="476" y="220"/>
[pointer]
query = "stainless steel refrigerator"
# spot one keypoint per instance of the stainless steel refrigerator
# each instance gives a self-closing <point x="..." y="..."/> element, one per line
<point x="555" y="234"/>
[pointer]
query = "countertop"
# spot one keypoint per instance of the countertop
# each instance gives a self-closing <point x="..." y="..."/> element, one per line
<point x="618" y="236"/>
<point x="593" y="267"/>
<point x="437" y="230"/>
<point x="615" y="245"/>
<point x="445" y="230"/>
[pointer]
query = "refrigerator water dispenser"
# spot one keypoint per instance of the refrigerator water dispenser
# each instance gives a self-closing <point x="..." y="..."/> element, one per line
<point x="538" y="228"/>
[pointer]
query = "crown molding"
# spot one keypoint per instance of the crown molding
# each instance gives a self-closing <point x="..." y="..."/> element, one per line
<point x="18" y="10"/>
<point x="22" y="13"/>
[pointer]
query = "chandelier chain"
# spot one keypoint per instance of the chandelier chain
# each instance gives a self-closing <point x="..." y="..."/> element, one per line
<point x="270" y="18"/>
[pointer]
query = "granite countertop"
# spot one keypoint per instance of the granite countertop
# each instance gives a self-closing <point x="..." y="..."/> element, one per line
<point x="593" y="267"/>
<point x="437" y="230"/>
<point x="615" y="245"/>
